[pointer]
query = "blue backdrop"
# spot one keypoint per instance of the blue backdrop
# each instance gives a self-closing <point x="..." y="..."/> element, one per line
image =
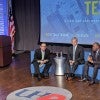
<point x="3" y="17"/>
<point x="63" y="19"/>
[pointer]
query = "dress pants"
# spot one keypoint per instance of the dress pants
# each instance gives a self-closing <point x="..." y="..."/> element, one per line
<point x="86" y="69"/>
<point x="46" y="68"/>
<point x="71" y="69"/>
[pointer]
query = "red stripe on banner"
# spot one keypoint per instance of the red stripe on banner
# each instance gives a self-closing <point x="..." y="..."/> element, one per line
<point x="11" y="29"/>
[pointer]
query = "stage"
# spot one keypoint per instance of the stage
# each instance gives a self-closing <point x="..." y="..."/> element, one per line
<point x="17" y="76"/>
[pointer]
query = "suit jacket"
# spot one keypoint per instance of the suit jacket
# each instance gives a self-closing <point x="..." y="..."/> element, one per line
<point x="96" y="60"/>
<point x="38" y="55"/>
<point x="79" y="54"/>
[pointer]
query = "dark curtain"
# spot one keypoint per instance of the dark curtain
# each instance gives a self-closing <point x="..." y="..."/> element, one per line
<point x="26" y="15"/>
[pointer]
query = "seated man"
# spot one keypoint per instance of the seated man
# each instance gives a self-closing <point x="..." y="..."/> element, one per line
<point x="42" y="56"/>
<point x="94" y="61"/>
<point x="75" y="57"/>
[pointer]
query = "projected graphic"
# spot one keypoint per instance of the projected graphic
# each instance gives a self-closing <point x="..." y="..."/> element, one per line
<point x="63" y="19"/>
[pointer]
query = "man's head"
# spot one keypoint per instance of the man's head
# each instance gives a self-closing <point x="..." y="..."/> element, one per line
<point x="43" y="46"/>
<point x="95" y="46"/>
<point x="74" y="41"/>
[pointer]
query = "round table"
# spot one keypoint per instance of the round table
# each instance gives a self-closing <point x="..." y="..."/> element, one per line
<point x="60" y="65"/>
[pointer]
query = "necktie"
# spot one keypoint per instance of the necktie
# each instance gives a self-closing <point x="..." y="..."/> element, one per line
<point x="73" y="53"/>
<point x="43" y="53"/>
<point x="96" y="54"/>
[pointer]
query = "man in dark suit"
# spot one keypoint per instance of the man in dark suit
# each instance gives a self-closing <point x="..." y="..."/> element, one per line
<point x="75" y="57"/>
<point x="93" y="61"/>
<point x="42" y="56"/>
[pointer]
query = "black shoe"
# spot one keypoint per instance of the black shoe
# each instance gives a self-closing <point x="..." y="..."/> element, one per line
<point x="42" y="75"/>
<point x="14" y="55"/>
<point x="39" y="78"/>
<point x="83" y="80"/>
<point x="72" y="75"/>
<point x="46" y="75"/>
<point x="66" y="76"/>
<point x="91" y="83"/>
<point x="35" y="75"/>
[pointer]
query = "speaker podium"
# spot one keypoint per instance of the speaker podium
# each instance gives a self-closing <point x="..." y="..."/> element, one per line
<point x="5" y="50"/>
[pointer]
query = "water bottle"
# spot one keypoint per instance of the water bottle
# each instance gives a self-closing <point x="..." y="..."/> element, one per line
<point x="57" y="54"/>
<point x="61" y="55"/>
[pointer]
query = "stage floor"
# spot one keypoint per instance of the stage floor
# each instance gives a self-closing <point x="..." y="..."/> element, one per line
<point x="17" y="76"/>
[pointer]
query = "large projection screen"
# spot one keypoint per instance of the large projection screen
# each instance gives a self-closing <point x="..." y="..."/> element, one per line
<point x="63" y="19"/>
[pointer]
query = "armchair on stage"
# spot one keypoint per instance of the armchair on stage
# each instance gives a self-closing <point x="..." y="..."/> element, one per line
<point x="32" y="66"/>
<point x="79" y="70"/>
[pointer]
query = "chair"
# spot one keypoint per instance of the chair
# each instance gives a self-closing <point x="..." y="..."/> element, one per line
<point x="32" y="66"/>
<point x="79" y="70"/>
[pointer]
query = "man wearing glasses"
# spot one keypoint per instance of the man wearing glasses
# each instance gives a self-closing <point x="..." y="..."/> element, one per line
<point x="42" y="56"/>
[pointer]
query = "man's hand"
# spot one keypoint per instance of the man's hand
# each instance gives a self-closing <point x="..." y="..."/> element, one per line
<point x="41" y="61"/>
<point x="45" y="61"/>
<point x="90" y="59"/>
<point x="71" y="62"/>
